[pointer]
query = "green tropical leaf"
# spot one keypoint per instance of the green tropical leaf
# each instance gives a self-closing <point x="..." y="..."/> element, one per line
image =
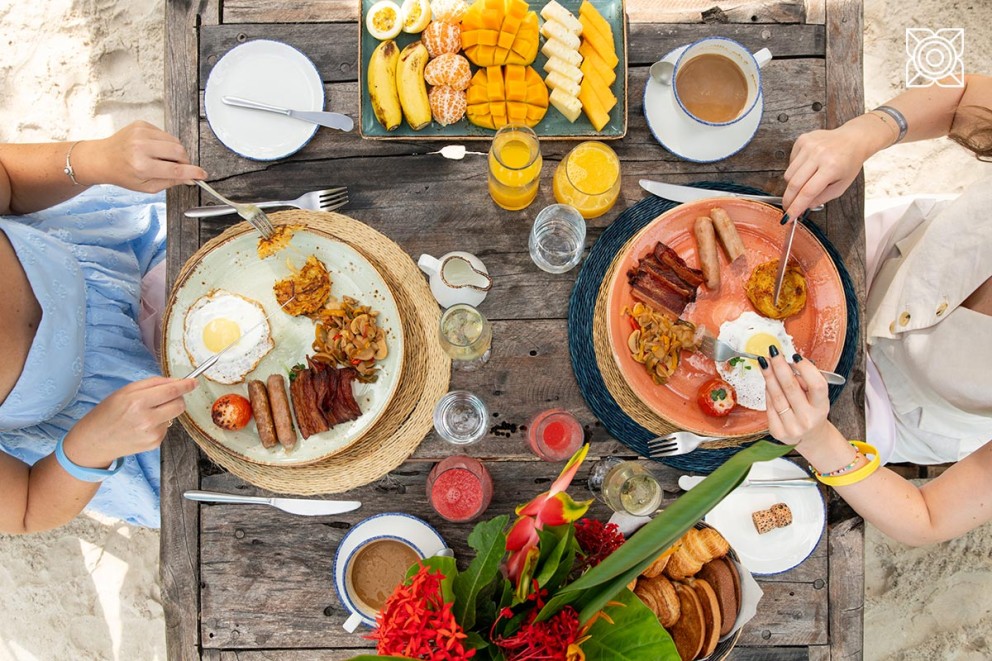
<point x="557" y="540"/>
<point x="634" y="634"/>
<point x="489" y="541"/>
<point x="596" y="587"/>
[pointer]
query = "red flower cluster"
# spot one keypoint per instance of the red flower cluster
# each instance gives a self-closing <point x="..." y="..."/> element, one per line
<point x="416" y="623"/>
<point x="543" y="641"/>
<point x="597" y="541"/>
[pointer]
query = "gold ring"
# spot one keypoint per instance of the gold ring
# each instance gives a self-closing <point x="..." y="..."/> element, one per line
<point x="785" y="410"/>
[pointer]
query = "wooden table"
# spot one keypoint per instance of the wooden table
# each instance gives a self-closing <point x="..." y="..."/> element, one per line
<point x="252" y="583"/>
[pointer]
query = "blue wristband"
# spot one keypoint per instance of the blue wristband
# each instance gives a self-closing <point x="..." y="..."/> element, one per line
<point x="82" y="472"/>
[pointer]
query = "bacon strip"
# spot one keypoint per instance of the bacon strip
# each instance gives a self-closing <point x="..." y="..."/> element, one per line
<point x="668" y="257"/>
<point x="323" y="398"/>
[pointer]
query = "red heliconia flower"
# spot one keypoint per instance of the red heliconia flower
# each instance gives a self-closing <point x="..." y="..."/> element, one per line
<point x="554" y="507"/>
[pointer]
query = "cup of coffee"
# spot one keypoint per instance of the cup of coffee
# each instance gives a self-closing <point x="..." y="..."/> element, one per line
<point x="371" y="573"/>
<point x="716" y="81"/>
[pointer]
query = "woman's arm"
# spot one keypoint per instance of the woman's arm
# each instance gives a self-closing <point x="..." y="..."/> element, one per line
<point x="824" y="163"/>
<point x="951" y="505"/>
<point x="139" y="157"/>
<point x="133" y="419"/>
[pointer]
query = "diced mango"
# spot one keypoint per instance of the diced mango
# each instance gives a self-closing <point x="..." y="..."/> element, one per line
<point x="505" y="31"/>
<point x="486" y="54"/>
<point x="470" y="39"/>
<point x="505" y="39"/>
<point x="516" y="112"/>
<point x="517" y="8"/>
<point x="535" y="114"/>
<point x="487" y="37"/>
<point x="512" y="93"/>
<point x="497" y="109"/>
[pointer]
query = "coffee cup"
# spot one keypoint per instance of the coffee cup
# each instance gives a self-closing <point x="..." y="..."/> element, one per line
<point x="716" y="81"/>
<point x="372" y="571"/>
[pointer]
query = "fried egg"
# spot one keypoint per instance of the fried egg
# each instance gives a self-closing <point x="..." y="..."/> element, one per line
<point x="219" y="318"/>
<point x="751" y="333"/>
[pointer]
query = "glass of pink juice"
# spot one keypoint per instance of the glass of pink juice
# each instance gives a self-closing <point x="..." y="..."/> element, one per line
<point x="555" y="435"/>
<point x="459" y="488"/>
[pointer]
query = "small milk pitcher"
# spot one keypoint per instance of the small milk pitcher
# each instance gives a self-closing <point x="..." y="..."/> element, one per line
<point x="457" y="277"/>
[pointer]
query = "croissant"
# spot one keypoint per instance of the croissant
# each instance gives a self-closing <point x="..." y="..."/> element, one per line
<point x="659" y="595"/>
<point x="698" y="547"/>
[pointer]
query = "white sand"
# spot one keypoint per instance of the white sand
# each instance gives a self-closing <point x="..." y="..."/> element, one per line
<point x="83" y="68"/>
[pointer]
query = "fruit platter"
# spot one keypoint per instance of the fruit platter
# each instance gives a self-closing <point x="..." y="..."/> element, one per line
<point x="435" y="69"/>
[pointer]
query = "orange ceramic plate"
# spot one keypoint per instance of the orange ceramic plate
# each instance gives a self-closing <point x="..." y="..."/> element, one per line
<point x="818" y="331"/>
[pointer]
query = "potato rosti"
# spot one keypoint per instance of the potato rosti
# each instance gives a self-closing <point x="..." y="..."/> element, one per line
<point x="280" y="238"/>
<point x="760" y="290"/>
<point x="311" y="286"/>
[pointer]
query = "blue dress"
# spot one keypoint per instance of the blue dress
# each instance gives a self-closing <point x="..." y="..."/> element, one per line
<point x="84" y="260"/>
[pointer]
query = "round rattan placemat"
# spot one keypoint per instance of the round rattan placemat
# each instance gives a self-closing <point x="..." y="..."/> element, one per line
<point x="426" y="374"/>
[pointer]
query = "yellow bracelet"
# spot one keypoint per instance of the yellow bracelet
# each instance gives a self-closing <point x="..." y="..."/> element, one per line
<point x="854" y="477"/>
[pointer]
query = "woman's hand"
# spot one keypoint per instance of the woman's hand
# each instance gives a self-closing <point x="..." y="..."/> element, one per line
<point x="797" y="407"/>
<point x="139" y="157"/>
<point x="131" y="420"/>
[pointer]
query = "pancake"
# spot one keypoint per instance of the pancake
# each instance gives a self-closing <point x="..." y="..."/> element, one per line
<point x="711" y="614"/>
<point x="721" y="576"/>
<point x="689" y="632"/>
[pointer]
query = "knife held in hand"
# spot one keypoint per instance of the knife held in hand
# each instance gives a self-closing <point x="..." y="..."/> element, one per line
<point x="334" y="120"/>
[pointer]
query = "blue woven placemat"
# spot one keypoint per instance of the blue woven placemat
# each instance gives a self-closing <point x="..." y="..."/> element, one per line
<point x="580" y="325"/>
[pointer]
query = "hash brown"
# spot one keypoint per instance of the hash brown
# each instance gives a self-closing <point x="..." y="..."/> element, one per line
<point x="311" y="286"/>
<point x="760" y="289"/>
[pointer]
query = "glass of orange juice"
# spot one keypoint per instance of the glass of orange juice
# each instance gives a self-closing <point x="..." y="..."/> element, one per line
<point x="588" y="178"/>
<point x="514" y="167"/>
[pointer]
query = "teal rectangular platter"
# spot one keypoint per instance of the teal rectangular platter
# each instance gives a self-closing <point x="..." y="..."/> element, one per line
<point x="554" y="125"/>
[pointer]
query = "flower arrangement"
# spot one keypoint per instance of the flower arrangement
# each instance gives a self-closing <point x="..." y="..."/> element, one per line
<point x="551" y="587"/>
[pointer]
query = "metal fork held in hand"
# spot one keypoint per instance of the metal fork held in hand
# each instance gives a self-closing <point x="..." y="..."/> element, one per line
<point x="721" y="352"/>
<point x="328" y="199"/>
<point x="680" y="442"/>
<point x="250" y="212"/>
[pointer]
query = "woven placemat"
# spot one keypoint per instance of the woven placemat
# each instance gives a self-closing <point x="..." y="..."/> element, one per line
<point x="409" y="416"/>
<point x="628" y="421"/>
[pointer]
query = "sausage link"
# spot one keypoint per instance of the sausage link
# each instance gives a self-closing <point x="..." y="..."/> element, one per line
<point x="729" y="237"/>
<point x="281" y="412"/>
<point x="259" y="397"/>
<point x="709" y="261"/>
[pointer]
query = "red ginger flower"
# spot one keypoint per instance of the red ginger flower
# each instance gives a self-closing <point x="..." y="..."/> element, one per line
<point x="551" y="640"/>
<point x="597" y="541"/>
<point x="415" y="622"/>
<point x="554" y="507"/>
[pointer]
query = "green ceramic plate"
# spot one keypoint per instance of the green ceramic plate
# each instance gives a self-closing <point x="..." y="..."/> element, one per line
<point x="554" y="124"/>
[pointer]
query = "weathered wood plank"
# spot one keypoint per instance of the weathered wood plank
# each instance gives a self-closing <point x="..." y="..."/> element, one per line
<point x="740" y="653"/>
<point x="639" y="11"/>
<point x="745" y="653"/>
<point x="334" y="47"/>
<point x="847" y="589"/>
<point x="179" y="545"/>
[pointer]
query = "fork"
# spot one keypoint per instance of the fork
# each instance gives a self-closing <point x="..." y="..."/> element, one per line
<point x="250" y="212"/>
<point x="328" y="199"/>
<point x="721" y="352"/>
<point x="680" y="442"/>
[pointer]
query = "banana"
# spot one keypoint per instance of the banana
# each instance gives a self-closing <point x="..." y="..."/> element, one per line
<point x="382" y="84"/>
<point x="411" y="85"/>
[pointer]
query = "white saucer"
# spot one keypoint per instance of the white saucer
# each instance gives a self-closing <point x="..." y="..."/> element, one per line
<point x="271" y="72"/>
<point x="415" y="532"/>
<point x="782" y="548"/>
<point x="690" y="140"/>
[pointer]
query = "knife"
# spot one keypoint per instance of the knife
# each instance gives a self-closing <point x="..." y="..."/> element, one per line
<point x="687" y="482"/>
<point x="677" y="193"/>
<point x="334" y="120"/>
<point x="302" y="506"/>
<point x="830" y="377"/>
<point x="783" y="260"/>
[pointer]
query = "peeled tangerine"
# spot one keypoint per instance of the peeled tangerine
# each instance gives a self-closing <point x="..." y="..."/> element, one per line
<point x="447" y="104"/>
<point x="441" y="37"/>
<point x="448" y="69"/>
<point x="450" y="11"/>
<point x="503" y="95"/>
<point x="500" y="32"/>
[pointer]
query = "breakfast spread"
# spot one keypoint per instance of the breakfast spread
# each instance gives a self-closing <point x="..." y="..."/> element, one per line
<point x="777" y="516"/>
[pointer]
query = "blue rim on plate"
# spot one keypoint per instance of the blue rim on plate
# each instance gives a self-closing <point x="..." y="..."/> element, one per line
<point x="338" y="568"/>
<point x="581" y="348"/>
<point x="742" y="115"/>
<point x="343" y="594"/>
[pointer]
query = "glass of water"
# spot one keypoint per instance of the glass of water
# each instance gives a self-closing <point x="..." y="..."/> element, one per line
<point x="467" y="336"/>
<point x="461" y="418"/>
<point x="557" y="238"/>
<point x="625" y="486"/>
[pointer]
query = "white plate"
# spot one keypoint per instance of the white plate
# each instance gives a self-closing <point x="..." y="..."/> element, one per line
<point x="234" y="265"/>
<point x="782" y="548"/>
<point x="270" y="72"/>
<point x="410" y="529"/>
<point x="691" y="140"/>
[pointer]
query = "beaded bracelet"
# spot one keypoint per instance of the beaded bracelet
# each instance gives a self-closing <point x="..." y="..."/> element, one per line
<point x="840" y="471"/>
<point x="856" y="476"/>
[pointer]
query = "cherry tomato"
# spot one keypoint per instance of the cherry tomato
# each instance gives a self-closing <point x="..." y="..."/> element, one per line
<point x="716" y="398"/>
<point x="231" y="412"/>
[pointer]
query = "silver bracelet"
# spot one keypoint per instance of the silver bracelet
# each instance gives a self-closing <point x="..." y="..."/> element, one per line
<point x="898" y="118"/>
<point x="69" y="172"/>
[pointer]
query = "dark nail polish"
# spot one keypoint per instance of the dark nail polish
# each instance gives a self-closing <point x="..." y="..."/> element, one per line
<point x="796" y="357"/>
<point x="763" y="362"/>
<point x="772" y="351"/>
<point x="785" y="219"/>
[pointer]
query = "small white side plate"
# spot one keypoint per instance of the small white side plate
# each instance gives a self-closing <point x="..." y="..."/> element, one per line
<point x="271" y="72"/>
<point x="690" y="140"/>
<point x="416" y="532"/>
<point x="780" y="549"/>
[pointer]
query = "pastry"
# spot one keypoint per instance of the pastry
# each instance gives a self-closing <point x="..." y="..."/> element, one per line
<point x="711" y="614"/>
<point x="658" y="566"/>
<point x="690" y="630"/>
<point x="698" y="547"/>
<point x="659" y="595"/>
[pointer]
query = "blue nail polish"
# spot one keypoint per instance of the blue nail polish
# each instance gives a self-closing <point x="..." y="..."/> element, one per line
<point x="772" y="351"/>
<point x="763" y="362"/>
<point x="796" y="357"/>
<point x="785" y="219"/>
